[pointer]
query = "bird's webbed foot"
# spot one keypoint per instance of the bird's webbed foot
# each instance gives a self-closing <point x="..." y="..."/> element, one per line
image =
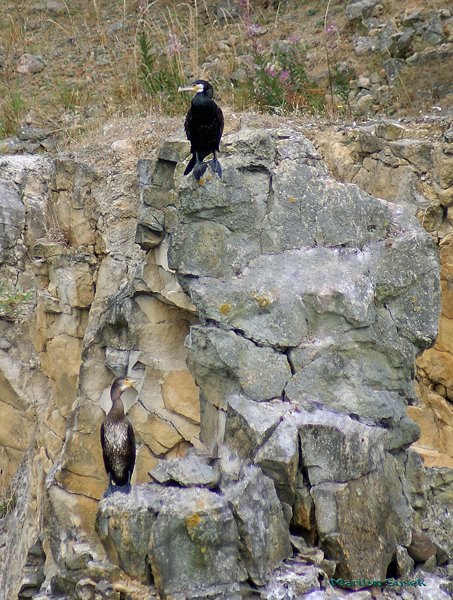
<point x="199" y="170"/>
<point x="124" y="489"/>
<point x="215" y="166"/>
<point x="112" y="488"/>
<point x="109" y="491"/>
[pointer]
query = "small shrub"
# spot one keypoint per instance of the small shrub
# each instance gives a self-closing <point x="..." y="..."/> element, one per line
<point x="341" y="85"/>
<point x="281" y="83"/>
<point x="12" y="301"/>
<point x="7" y="505"/>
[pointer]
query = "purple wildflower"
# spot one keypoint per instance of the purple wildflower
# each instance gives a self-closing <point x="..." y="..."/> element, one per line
<point x="331" y="30"/>
<point x="294" y="39"/>
<point x="284" y="76"/>
<point x="174" y="46"/>
<point x="253" y="29"/>
<point x="271" y="70"/>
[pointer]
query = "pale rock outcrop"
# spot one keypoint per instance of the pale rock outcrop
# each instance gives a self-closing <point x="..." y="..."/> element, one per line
<point x="411" y="166"/>
<point x="326" y="293"/>
<point x="71" y="248"/>
<point x="313" y="299"/>
<point x="196" y="523"/>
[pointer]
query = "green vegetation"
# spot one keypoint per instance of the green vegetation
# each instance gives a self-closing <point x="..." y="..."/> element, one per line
<point x="280" y="82"/>
<point x="161" y="75"/>
<point x="274" y="79"/>
<point x="7" y="505"/>
<point x="105" y="59"/>
<point x="12" y="109"/>
<point x="12" y="301"/>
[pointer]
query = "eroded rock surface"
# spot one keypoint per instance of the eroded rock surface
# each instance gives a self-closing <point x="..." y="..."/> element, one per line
<point x="299" y="304"/>
<point x="409" y="165"/>
<point x="314" y="299"/>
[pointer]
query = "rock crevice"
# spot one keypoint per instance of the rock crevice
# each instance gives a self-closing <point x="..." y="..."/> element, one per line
<point x="273" y="318"/>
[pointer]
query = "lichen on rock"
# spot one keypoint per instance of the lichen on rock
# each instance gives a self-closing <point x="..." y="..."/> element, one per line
<point x="273" y="318"/>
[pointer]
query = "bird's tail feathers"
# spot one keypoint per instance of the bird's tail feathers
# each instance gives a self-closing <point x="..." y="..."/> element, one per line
<point x="191" y="165"/>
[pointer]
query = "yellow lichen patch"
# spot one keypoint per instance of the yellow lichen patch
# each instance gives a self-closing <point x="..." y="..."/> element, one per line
<point x="224" y="308"/>
<point x="263" y="300"/>
<point x="193" y="521"/>
<point x="292" y="199"/>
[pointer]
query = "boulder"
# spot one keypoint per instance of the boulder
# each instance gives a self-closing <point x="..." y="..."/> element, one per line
<point x="360" y="9"/>
<point x="190" y="471"/>
<point x="249" y="424"/>
<point x="262" y="528"/>
<point x="336" y="448"/>
<point x="362" y="521"/>
<point x="227" y="363"/>
<point x="421" y="547"/>
<point x="124" y="523"/>
<point x="194" y="544"/>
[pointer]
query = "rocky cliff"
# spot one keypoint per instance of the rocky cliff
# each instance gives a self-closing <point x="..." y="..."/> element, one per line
<point x="273" y="318"/>
<point x="412" y="164"/>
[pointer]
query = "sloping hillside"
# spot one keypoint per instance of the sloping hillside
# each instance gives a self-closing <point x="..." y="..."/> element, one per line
<point x="65" y="66"/>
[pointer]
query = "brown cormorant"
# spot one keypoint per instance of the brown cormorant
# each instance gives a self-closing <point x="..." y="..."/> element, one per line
<point x="118" y="441"/>
<point x="204" y="128"/>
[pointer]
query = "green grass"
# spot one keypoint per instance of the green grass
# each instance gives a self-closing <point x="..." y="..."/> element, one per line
<point x="12" y="110"/>
<point x="161" y="75"/>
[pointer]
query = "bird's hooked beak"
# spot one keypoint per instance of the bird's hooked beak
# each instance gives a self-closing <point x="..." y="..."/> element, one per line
<point x="129" y="382"/>
<point x="195" y="87"/>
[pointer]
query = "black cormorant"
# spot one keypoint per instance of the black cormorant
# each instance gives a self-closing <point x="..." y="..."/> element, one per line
<point x="204" y="128"/>
<point x="118" y="441"/>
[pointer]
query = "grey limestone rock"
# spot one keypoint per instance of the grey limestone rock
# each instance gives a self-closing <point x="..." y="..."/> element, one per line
<point x="194" y="543"/>
<point x="360" y="9"/>
<point x="361" y="522"/>
<point x="314" y="298"/>
<point x="124" y="523"/>
<point x="250" y="148"/>
<point x="404" y="563"/>
<point x="250" y="424"/>
<point x="278" y="458"/>
<point x="12" y="221"/>
<point x="263" y="531"/>
<point x="227" y="363"/>
<point x="295" y="581"/>
<point x="336" y="448"/>
<point x="364" y="44"/>
<point x="303" y="517"/>
<point x="190" y="471"/>
<point x="183" y="539"/>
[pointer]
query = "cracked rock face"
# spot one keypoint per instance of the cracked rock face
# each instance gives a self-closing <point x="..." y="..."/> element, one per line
<point x="280" y="258"/>
<point x="412" y="166"/>
<point x="314" y="299"/>
<point x="302" y="303"/>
